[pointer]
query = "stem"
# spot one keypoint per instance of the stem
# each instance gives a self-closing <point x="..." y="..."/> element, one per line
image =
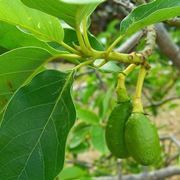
<point x="150" y="41"/>
<point x="73" y="58"/>
<point x="121" y="87"/>
<point x="84" y="64"/>
<point x="85" y="34"/>
<point x="66" y="46"/>
<point x="126" y="58"/>
<point x="129" y="69"/>
<point x="111" y="47"/>
<point x="81" y="41"/>
<point x="101" y="64"/>
<point x="137" y="101"/>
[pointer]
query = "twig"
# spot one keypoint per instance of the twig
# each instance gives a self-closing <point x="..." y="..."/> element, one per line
<point x="153" y="175"/>
<point x="127" y="5"/>
<point x="167" y="46"/>
<point x="119" y="164"/>
<point x="150" y="41"/>
<point x="127" y="46"/>
<point x="156" y="104"/>
<point x="172" y="138"/>
<point x="88" y="72"/>
<point x="174" y="22"/>
<point x="172" y="158"/>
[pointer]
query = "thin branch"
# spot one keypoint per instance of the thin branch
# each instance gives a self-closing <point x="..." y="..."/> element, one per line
<point x="150" y="41"/>
<point x="127" y="46"/>
<point x="157" y="104"/>
<point x="171" y="138"/>
<point x="155" y="175"/>
<point x="174" y="22"/>
<point x="167" y="46"/>
<point x="127" y="5"/>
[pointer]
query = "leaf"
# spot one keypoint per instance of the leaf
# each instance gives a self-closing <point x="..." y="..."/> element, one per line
<point x="16" y="67"/>
<point x="81" y="148"/>
<point x="72" y="12"/>
<point x="150" y="13"/>
<point x="107" y="100"/>
<point x="35" y="127"/>
<point x="12" y="37"/>
<point x="87" y="115"/>
<point x="178" y="87"/>
<point x="109" y="67"/>
<point x="70" y="173"/>
<point x="3" y="50"/>
<point x="98" y="139"/>
<point x="79" y="135"/>
<point x="43" y="26"/>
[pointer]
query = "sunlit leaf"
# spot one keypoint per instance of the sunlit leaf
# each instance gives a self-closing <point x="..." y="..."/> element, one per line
<point x="72" y="12"/>
<point x="43" y="26"/>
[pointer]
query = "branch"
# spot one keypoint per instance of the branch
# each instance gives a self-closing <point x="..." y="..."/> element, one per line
<point x="126" y="4"/>
<point x="174" y="22"/>
<point x="150" y="41"/>
<point x="127" y="46"/>
<point x="167" y="46"/>
<point x="171" y="138"/>
<point x="156" y="104"/>
<point x="155" y="175"/>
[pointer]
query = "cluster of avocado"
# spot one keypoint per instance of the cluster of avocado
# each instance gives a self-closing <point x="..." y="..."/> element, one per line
<point x="132" y="134"/>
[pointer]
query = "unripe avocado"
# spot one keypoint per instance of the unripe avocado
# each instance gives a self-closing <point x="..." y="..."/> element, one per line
<point x="115" y="129"/>
<point x="142" y="139"/>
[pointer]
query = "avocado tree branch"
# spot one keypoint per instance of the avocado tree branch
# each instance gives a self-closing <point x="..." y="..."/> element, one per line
<point x="167" y="46"/>
<point x="128" y="45"/>
<point x="150" y="41"/>
<point x="154" y="175"/>
<point x="174" y="22"/>
<point x="157" y="104"/>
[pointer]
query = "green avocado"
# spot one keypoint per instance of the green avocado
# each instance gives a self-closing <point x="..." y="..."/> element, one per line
<point x="115" y="129"/>
<point x="142" y="139"/>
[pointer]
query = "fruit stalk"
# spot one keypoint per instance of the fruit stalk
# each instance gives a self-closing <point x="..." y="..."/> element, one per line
<point x="137" y="101"/>
<point x="121" y="88"/>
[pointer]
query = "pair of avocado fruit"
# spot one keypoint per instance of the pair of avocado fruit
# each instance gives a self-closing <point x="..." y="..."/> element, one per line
<point x="132" y="134"/>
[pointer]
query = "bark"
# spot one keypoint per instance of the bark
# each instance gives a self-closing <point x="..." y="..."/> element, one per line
<point x="167" y="46"/>
<point x="130" y="43"/>
<point x="154" y="175"/>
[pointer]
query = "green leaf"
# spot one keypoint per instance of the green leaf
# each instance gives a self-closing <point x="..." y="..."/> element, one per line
<point x="98" y="139"/>
<point x="16" y="67"/>
<point x="150" y="13"/>
<point x="3" y="50"/>
<point x="87" y="115"/>
<point x="43" y="26"/>
<point x="35" y="127"/>
<point x="111" y="67"/>
<point x="70" y="173"/>
<point x="72" y="12"/>
<point x="81" y="148"/>
<point x="79" y="135"/>
<point x="12" y="37"/>
<point x="178" y="88"/>
<point x="107" y="100"/>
